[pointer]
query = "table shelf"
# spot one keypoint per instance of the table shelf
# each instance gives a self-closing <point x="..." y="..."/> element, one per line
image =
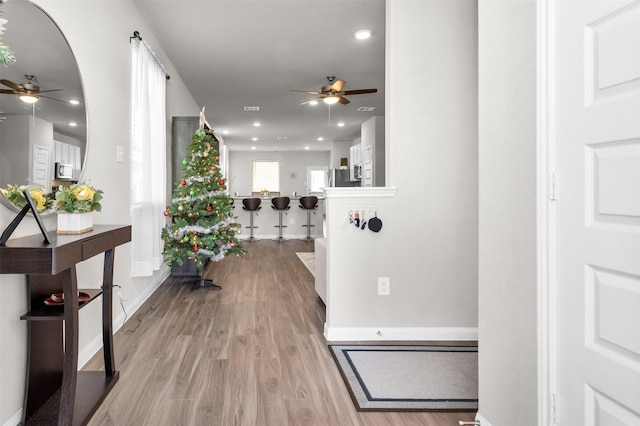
<point x="43" y="312"/>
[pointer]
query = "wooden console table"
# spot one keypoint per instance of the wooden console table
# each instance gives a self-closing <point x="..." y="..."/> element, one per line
<point x="56" y="392"/>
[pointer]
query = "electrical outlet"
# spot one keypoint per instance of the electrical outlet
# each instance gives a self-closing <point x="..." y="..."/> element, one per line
<point x="384" y="286"/>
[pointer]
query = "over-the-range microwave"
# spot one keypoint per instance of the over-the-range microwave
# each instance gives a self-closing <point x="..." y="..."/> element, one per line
<point x="64" y="171"/>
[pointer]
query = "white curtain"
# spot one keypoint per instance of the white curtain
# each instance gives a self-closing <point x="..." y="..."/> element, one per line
<point x="148" y="159"/>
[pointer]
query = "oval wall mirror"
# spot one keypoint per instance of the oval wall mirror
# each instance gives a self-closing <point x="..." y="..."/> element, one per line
<point x="37" y="136"/>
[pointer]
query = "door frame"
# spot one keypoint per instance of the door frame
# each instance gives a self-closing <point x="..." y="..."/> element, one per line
<point x="546" y="189"/>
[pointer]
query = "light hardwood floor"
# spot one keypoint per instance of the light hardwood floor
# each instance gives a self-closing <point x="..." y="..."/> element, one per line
<point x="252" y="353"/>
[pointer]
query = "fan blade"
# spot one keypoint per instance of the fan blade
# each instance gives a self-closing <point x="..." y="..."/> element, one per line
<point x="9" y="92"/>
<point x="360" y="92"/>
<point x="337" y="86"/>
<point x="304" y="91"/>
<point x="50" y="90"/>
<point x="11" y="84"/>
<point x="343" y="101"/>
<point x="53" y="99"/>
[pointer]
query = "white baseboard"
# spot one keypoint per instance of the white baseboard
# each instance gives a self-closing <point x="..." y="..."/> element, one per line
<point x="15" y="420"/>
<point x="86" y="353"/>
<point x="341" y="334"/>
<point x="482" y="420"/>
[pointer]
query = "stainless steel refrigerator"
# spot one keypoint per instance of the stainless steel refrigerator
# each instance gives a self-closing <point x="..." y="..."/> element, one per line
<point x="340" y="177"/>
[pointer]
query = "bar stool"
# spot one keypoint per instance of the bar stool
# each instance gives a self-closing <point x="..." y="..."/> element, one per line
<point x="282" y="205"/>
<point x="251" y="205"/>
<point x="309" y="203"/>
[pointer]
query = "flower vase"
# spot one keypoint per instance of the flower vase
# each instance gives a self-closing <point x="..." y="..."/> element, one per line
<point x="75" y="223"/>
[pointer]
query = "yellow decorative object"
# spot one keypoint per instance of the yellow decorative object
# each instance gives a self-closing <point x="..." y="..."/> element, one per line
<point x="78" y="198"/>
<point x="37" y="193"/>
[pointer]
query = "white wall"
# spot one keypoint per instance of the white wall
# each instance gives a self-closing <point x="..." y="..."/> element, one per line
<point x="428" y="245"/>
<point x="98" y="32"/>
<point x="373" y="135"/>
<point x="19" y="133"/>
<point x="294" y="169"/>
<point x="507" y="262"/>
<point x="339" y="149"/>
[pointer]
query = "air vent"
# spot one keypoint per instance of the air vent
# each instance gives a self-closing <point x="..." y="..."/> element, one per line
<point x="282" y="138"/>
<point x="251" y="108"/>
<point x="366" y="109"/>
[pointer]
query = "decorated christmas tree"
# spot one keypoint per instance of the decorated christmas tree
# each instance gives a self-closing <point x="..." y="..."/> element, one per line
<point x="203" y="225"/>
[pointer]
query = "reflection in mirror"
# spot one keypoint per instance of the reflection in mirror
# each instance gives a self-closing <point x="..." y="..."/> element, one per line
<point x="43" y="142"/>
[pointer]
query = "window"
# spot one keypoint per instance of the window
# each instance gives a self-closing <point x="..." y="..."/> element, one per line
<point x="148" y="160"/>
<point x="317" y="178"/>
<point x="266" y="175"/>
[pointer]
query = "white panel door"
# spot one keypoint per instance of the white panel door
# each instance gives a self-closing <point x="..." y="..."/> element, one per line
<point x="40" y="171"/>
<point x="597" y="272"/>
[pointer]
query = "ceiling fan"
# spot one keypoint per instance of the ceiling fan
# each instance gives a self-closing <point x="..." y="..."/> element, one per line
<point x="27" y="92"/>
<point x="333" y="93"/>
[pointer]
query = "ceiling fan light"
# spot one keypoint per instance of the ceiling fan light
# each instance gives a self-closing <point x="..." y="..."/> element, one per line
<point x="28" y="99"/>
<point x="362" y="34"/>
<point x="330" y="100"/>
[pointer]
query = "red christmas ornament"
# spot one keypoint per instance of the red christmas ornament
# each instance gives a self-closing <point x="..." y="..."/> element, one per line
<point x="221" y="181"/>
<point x="217" y="158"/>
<point x="196" y="248"/>
<point x="213" y="168"/>
<point x="167" y="213"/>
<point x="232" y="244"/>
<point x="208" y="208"/>
<point x="183" y="183"/>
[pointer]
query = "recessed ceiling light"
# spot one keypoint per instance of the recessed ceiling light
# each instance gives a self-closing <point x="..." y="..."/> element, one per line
<point x="73" y="124"/>
<point x="74" y="102"/>
<point x="306" y="147"/>
<point x="362" y="34"/>
<point x="253" y="147"/>
<point x="341" y="124"/>
<point x="313" y="103"/>
<point x="256" y="124"/>
<point x="320" y="139"/>
<point x="254" y="139"/>
<point x="225" y="132"/>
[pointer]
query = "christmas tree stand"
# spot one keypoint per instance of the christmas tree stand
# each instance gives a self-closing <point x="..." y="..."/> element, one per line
<point x="203" y="282"/>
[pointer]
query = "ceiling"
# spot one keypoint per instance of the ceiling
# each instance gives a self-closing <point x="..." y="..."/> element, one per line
<point x="233" y="54"/>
